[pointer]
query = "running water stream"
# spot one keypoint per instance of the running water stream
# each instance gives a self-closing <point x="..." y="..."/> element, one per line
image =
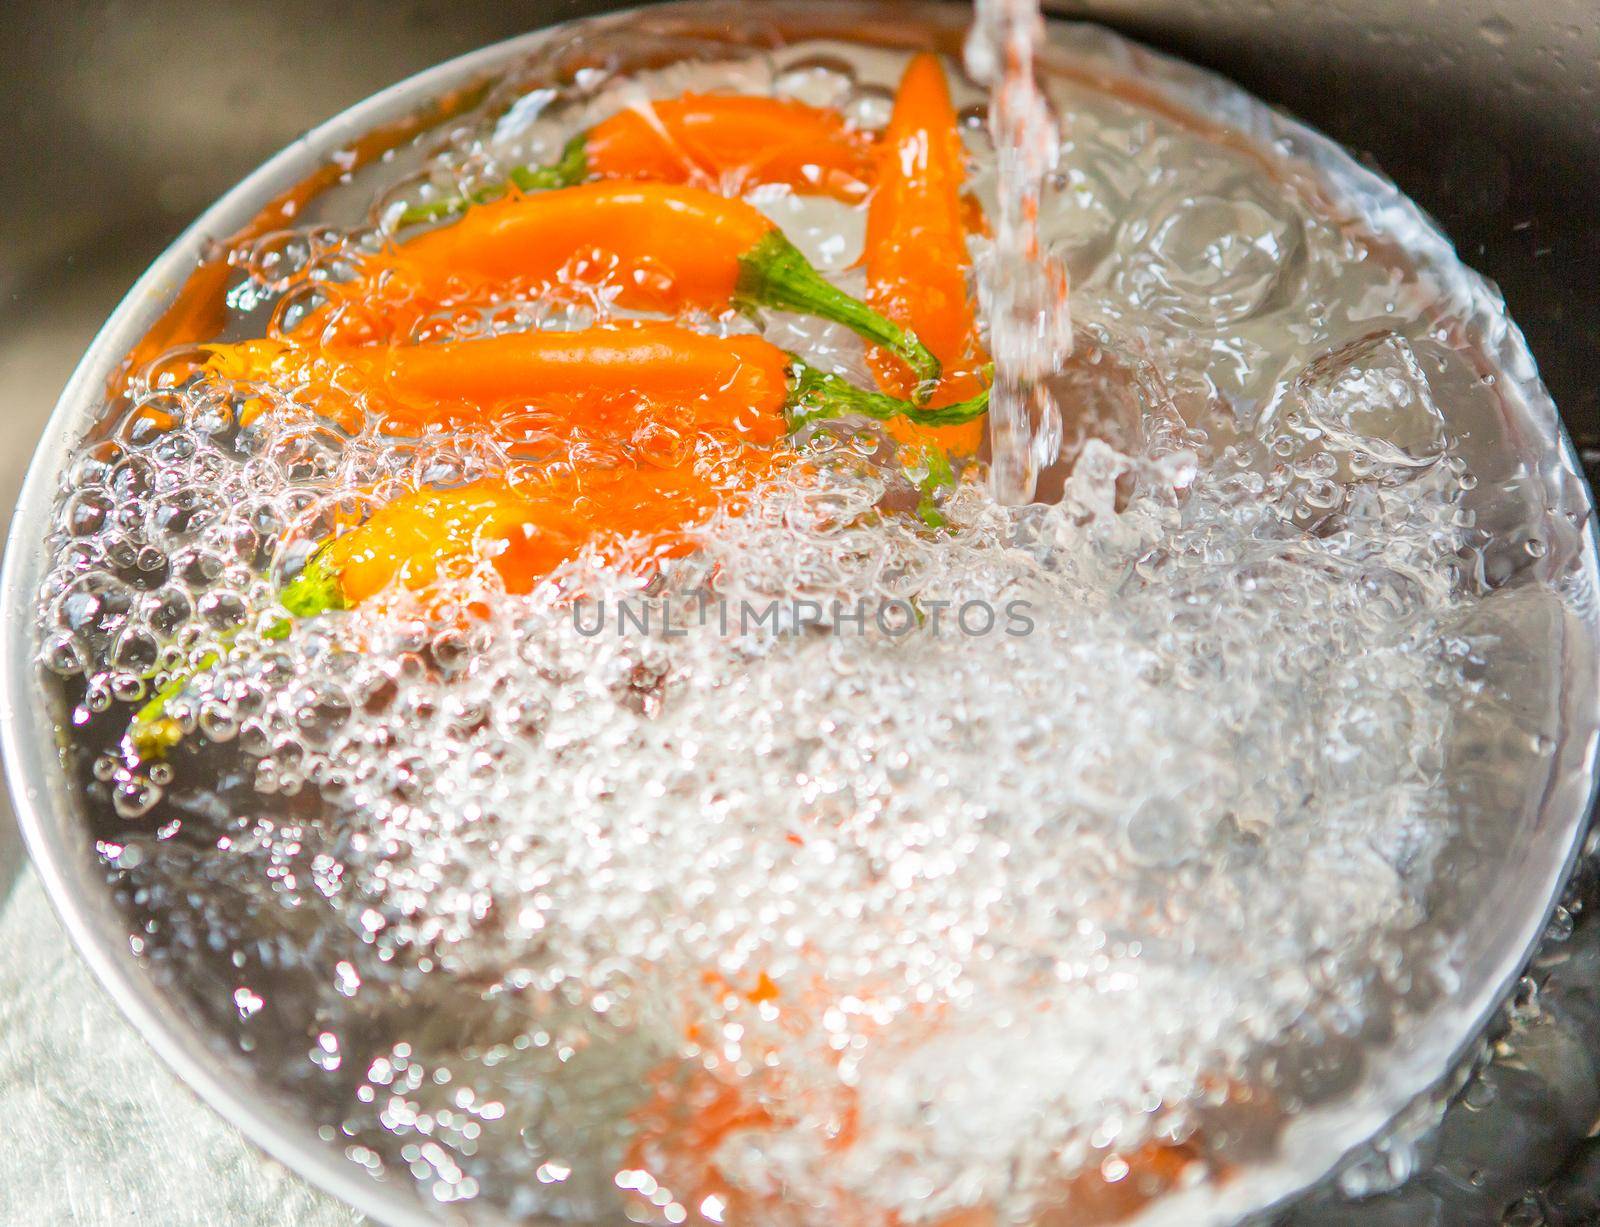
<point x="1023" y="287"/>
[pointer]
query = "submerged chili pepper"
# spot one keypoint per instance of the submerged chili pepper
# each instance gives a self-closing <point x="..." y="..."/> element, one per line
<point x="604" y="381"/>
<point x="729" y="142"/>
<point x="693" y="1119"/>
<point x="523" y="533"/>
<point x="917" y="260"/>
<point x="673" y="248"/>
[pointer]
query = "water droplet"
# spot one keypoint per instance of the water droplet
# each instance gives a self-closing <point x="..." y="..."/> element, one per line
<point x="1496" y="31"/>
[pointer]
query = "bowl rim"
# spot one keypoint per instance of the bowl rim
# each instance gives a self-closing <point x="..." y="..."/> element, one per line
<point x="32" y="756"/>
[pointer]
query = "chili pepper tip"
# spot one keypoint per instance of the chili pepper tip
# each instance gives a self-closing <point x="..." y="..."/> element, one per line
<point x="572" y="167"/>
<point x="152" y="732"/>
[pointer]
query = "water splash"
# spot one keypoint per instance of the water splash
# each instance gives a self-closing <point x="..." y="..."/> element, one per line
<point x="1024" y="288"/>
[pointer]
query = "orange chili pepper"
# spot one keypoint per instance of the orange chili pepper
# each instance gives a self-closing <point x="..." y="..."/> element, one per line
<point x="524" y="533"/>
<point x="656" y="246"/>
<point x="682" y="1128"/>
<point x="728" y="142"/>
<point x="604" y="381"/>
<point x="917" y="260"/>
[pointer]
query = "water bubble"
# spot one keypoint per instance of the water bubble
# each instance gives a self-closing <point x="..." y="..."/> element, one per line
<point x="277" y="259"/>
<point x="134" y="798"/>
<point x="869" y="106"/>
<point x="1497" y="31"/>
<point x="86" y="512"/>
<point x="61" y="655"/>
<point x="817" y="80"/>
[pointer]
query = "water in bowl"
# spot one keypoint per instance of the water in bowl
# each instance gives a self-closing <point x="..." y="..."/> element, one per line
<point x="1068" y="853"/>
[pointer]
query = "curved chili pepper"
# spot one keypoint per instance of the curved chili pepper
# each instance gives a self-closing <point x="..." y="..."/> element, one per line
<point x="730" y="142"/>
<point x="525" y="533"/>
<point x="600" y="380"/>
<point x="656" y="246"/>
<point x="916" y="251"/>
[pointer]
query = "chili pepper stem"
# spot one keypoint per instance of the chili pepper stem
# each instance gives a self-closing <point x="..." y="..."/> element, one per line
<point x="775" y="273"/>
<point x="815" y="395"/>
<point x="571" y="168"/>
<point x="937" y="479"/>
<point x="314" y="591"/>
<point x="152" y="732"/>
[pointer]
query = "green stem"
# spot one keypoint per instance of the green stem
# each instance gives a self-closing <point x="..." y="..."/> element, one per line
<point x="315" y="590"/>
<point x="152" y="732"/>
<point x="572" y="167"/>
<point x="814" y="395"/>
<point x="775" y="273"/>
<point x="936" y="480"/>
